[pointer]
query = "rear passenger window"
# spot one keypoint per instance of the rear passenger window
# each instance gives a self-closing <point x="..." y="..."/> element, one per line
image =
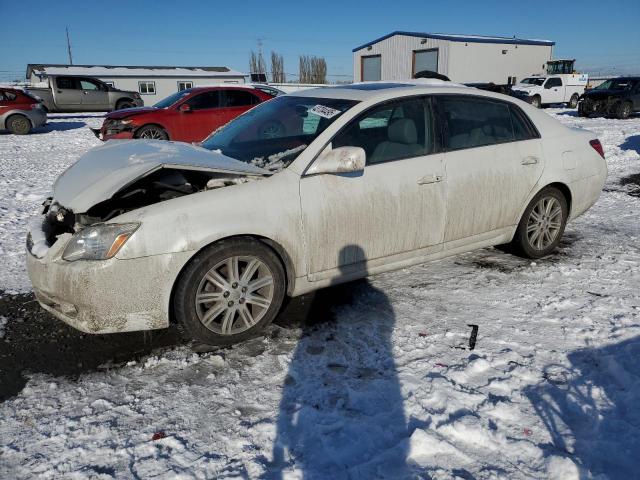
<point x="67" y="83"/>
<point x="391" y="131"/>
<point x="475" y="122"/>
<point x="522" y="128"/>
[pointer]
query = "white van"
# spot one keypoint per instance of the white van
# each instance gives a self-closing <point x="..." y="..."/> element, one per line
<point x="542" y="90"/>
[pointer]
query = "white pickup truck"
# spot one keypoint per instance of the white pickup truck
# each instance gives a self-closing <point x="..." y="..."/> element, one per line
<point x="542" y="90"/>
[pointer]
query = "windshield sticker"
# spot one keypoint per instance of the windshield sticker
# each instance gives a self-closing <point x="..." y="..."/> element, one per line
<point x="324" y="112"/>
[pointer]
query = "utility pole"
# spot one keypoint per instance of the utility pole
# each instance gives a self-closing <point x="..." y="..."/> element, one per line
<point x="69" y="47"/>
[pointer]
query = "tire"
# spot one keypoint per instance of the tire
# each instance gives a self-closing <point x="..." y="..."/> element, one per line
<point x="152" y="132"/>
<point x="217" y="308"/>
<point x="551" y="209"/>
<point x="623" y="110"/>
<point x="536" y="101"/>
<point x="121" y="104"/>
<point x="18" y="124"/>
<point x="573" y="102"/>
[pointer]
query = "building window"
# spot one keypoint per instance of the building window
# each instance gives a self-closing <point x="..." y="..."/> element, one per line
<point x="425" y="60"/>
<point x="184" y="85"/>
<point x="371" y="68"/>
<point x="147" y="88"/>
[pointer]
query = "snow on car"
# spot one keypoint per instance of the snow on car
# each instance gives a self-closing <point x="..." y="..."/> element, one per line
<point x="443" y="169"/>
<point x="364" y="380"/>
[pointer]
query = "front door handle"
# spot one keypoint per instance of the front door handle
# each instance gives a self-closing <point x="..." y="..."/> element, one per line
<point x="431" y="178"/>
<point x="531" y="160"/>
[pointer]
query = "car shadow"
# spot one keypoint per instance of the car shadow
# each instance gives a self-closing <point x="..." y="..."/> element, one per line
<point x="36" y="342"/>
<point x="341" y="413"/>
<point x="591" y="409"/>
<point x="631" y="143"/>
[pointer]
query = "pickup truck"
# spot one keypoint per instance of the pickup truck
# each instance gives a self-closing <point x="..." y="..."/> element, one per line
<point x="541" y="90"/>
<point x="66" y="93"/>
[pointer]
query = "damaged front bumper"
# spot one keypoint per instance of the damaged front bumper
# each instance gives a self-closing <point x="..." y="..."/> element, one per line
<point x="600" y="107"/>
<point x="104" y="296"/>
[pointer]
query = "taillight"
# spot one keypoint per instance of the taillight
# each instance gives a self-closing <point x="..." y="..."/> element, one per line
<point x="597" y="146"/>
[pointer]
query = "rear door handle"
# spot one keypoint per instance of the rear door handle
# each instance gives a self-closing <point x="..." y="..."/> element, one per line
<point x="431" y="178"/>
<point x="531" y="160"/>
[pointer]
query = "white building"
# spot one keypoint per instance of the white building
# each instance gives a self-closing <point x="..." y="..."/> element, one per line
<point x="153" y="83"/>
<point x="462" y="58"/>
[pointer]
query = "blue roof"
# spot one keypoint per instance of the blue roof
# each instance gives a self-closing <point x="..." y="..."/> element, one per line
<point x="462" y="38"/>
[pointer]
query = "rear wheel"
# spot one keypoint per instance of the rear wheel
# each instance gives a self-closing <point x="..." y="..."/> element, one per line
<point x="573" y="103"/>
<point x="536" y="101"/>
<point x="623" y="110"/>
<point x="230" y="292"/>
<point x="18" y="124"/>
<point x="152" y="132"/>
<point x="542" y="225"/>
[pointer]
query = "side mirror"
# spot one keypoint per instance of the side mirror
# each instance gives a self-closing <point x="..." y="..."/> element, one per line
<point x="184" y="108"/>
<point x="339" y="160"/>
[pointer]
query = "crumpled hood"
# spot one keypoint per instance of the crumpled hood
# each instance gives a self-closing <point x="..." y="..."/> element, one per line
<point x="129" y="112"/>
<point x="104" y="170"/>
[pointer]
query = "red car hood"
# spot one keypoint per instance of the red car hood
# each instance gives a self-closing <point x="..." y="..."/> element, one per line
<point x="129" y="112"/>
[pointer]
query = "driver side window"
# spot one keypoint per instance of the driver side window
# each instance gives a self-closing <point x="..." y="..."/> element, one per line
<point x="391" y="131"/>
<point x="205" y="100"/>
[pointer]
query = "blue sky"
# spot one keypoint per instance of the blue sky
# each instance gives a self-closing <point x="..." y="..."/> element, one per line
<point x="223" y="33"/>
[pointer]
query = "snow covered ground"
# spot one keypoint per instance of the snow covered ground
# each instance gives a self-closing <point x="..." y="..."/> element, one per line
<point x="377" y="382"/>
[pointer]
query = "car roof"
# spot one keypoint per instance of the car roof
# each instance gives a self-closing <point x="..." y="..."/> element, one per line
<point x="375" y="90"/>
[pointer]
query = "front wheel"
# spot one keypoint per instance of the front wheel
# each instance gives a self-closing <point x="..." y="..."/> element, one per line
<point x="623" y="110"/>
<point x="152" y="132"/>
<point x="542" y="225"/>
<point x="230" y="292"/>
<point x="122" y="104"/>
<point x="18" y="124"/>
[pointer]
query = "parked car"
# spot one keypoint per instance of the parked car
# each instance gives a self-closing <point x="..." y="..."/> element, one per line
<point x="505" y="89"/>
<point x="20" y="112"/>
<point x="616" y="97"/>
<point x="65" y="93"/>
<point x="357" y="180"/>
<point x="549" y="89"/>
<point x="187" y="116"/>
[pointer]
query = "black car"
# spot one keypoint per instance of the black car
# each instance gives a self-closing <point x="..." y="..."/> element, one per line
<point x="616" y="97"/>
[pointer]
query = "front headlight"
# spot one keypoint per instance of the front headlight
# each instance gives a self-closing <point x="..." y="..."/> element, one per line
<point x="99" y="242"/>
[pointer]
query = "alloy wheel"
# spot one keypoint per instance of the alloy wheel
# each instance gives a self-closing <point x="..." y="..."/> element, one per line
<point x="234" y="295"/>
<point x="152" y="134"/>
<point x="544" y="223"/>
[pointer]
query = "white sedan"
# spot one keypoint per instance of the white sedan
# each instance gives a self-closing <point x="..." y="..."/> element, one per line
<point x="301" y="192"/>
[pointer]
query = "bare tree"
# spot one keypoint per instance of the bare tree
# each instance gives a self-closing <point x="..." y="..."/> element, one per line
<point x="257" y="65"/>
<point x="277" y="68"/>
<point x="313" y="69"/>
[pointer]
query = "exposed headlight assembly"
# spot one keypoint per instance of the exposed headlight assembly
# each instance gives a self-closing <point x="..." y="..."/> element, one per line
<point x="99" y="242"/>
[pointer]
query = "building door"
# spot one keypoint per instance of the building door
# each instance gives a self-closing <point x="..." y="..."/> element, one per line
<point x="425" y="60"/>
<point x="371" y="68"/>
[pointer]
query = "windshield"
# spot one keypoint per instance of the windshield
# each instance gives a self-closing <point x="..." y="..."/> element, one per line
<point x="615" y="84"/>
<point x="171" y="99"/>
<point x="533" y="81"/>
<point x="274" y="133"/>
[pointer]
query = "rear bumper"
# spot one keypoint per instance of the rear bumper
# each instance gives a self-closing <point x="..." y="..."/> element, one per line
<point x="37" y="116"/>
<point x="105" y="296"/>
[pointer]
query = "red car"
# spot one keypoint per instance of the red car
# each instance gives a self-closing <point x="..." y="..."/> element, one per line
<point x="186" y="116"/>
<point x="20" y="112"/>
